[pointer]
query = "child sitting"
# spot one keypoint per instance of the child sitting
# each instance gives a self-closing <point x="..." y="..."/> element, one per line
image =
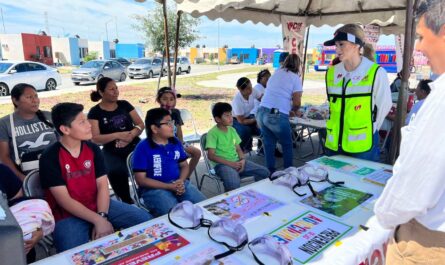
<point x="167" y="99"/>
<point x="160" y="165"/>
<point x="224" y="151"/>
<point x="72" y="171"/>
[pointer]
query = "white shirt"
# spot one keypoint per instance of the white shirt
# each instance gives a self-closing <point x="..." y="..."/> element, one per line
<point x="381" y="95"/>
<point x="417" y="188"/>
<point x="280" y="87"/>
<point x="242" y="106"/>
<point x="259" y="90"/>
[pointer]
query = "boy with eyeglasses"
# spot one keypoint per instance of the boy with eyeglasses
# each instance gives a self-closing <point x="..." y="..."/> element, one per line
<point x="160" y="165"/>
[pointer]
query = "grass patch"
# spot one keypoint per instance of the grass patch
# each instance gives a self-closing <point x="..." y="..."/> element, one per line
<point x="196" y="98"/>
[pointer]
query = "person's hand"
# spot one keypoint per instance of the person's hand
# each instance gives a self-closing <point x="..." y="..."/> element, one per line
<point x="126" y="136"/>
<point x="180" y="187"/>
<point x="243" y="164"/>
<point x="102" y="228"/>
<point x="299" y="114"/>
<point x="235" y="165"/>
<point x="121" y="143"/>
<point x="36" y="236"/>
<point x="292" y="113"/>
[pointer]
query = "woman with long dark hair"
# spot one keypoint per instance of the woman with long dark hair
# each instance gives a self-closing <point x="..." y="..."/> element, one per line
<point x="33" y="131"/>
<point x="116" y="125"/>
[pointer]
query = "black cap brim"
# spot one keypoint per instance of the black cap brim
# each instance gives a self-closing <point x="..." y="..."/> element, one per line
<point x="343" y="36"/>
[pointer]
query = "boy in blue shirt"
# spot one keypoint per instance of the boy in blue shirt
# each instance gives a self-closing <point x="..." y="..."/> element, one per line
<point x="160" y="165"/>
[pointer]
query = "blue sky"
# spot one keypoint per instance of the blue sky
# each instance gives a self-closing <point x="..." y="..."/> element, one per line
<point x="88" y="19"/>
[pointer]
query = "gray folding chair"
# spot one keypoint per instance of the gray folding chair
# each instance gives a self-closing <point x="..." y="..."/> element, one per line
<point x="211" y="174"/>
<point x="187" y="116"/>
<point x="134" y="185"/>
<point x="32" y="188"/>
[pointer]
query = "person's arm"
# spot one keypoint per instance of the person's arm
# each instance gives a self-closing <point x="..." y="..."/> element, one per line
<point x="213" y="157"/>
<point x="245" y="121"/>
<point x="179" y="134"/>
<point x="103" y="194"/>
<point x="143" y="181"/>
<point x="99" y="138"/>
<point x="6" y="160"/>
<point x="138" y="122"/>
<point x="382" y="97"/>
<point x="417" y="183"/>
<point x="242" y="159"/>
<point x="296" y="100"/>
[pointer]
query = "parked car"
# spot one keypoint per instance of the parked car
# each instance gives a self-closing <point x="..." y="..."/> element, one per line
<point x="234" y="60"/>
<point x="122" y="61"/>
<point x="41" y="76"/>
<point x="182" y="65"/>
<point x="94" y="70"/>
<point x="145" y="68"/>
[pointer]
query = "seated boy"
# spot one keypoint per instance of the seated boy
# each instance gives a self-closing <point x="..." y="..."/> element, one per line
<point x="224" y="151"/>
<point x="73" y="174"/>
<point x="160" y="165"/>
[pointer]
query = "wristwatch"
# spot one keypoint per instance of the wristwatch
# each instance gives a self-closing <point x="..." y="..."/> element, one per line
<point x="103" y="214"/>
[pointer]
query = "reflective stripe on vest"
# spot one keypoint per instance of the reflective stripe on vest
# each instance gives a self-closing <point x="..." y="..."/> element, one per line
<point x="350" y="124"/>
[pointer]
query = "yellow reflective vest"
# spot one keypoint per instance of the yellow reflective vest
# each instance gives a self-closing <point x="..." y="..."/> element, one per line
<point x="350" y="124"/>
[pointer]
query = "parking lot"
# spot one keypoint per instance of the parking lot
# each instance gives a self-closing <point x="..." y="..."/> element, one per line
<point x="68" y="86"/>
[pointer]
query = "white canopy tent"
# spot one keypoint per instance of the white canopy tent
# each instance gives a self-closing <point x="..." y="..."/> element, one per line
<point x="386" y="13"/>
<point x="394" y="16"/>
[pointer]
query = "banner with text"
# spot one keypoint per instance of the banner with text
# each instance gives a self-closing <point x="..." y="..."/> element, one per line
<point x="372" y="35"/>
<point x="293" y="34"/>
<point x="400" y="40"/>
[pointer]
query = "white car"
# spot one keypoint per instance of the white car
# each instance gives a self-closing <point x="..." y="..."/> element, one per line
<point x="41" y="76"/>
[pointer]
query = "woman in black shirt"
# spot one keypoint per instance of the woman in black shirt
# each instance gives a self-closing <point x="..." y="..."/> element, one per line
<point x="117" y="126"/>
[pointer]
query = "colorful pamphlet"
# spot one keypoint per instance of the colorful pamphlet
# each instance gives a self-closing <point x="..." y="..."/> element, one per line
<point x="138" y="247"/>
<point x="343" y="167"/>
<point x="307" y="235"/>
<point x="379" y="177"/>
<point x="243" y="206"/>
<point x="337" y="200"/>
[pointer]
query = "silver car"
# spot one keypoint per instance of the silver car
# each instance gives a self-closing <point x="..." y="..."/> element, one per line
<point x="182" y="65"/>
<point x="41" y="76"/>
<point x="94" y="70"/>
<point x="145" y="68"/>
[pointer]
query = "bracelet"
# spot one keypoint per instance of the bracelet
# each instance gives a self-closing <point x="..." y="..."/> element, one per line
<point x="103" y="214"/>
<point x="138" y="127"/>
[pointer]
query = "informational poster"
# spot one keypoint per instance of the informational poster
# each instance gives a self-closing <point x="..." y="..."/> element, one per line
<point x="203" y="255"/>
<point x="293" y="34"/>
<point x="138" y="247"/>
<point x="400" y="42"/>
<point x="343" y="167"/>
<point x="307" y="235"/>
<point x="337" y="200"/>
<point x="243" y="206"/>
<point x="379" y="177"/>
<point x="372" y="34"/>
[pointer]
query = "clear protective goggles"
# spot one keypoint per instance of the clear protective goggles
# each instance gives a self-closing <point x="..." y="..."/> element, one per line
<point x="297" y="177"/>
<point x="232" y="235"/>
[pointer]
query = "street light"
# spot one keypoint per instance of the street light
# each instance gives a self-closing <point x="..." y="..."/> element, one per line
<point x="106" y="27"/>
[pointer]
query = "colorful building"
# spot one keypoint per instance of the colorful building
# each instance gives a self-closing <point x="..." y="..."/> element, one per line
<point x="104" y="49"/>
<point x="244" y="55"/>
<point x="267" y="55"/>
<point x="130" y="50"/>
<point x="26" y="46"/>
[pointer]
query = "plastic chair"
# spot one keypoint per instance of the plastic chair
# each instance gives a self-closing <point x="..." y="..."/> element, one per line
<point x="134" y="185"/>
<point x="211" y="174"/>
<point x="186" y="116"/>
<point x="32" y="188"/>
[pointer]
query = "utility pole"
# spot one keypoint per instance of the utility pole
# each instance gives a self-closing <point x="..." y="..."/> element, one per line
<point x="115" y="25"/>
<point x="106" y="27"/>
<point x="46" y="23"/>
<point x="218" y="46"/>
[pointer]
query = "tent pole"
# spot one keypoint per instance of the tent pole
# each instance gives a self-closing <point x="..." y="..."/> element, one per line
<point x="178" y="22"/>
<point x="167" y="49"/>
<point x="305" y="53"/>
<point x="402" y="100"/>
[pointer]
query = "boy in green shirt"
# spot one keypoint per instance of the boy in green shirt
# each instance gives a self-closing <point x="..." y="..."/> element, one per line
<point x="225" y="153"/>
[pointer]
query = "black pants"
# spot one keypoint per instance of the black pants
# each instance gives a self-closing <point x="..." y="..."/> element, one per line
<point x="118" y="175"/>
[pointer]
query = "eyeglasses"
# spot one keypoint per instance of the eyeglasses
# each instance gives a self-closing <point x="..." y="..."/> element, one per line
<point x="169" y="123"/>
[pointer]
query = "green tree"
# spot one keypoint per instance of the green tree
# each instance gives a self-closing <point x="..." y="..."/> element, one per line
<point x="90" y="56"/>
<point x="152" y="28"/>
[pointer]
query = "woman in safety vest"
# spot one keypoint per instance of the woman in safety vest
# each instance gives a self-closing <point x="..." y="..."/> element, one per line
<point x="359" y="96"/>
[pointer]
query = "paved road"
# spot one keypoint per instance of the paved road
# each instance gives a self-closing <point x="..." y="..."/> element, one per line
<point x="68" y="87"/>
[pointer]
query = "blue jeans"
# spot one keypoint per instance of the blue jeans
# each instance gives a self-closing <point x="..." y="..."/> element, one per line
<point x="232" y="178"/>
<point x="160" y="201"/>
<point x="371" y="155"/>
<point x="246" y="132"/>
<point x="72" y="232"/>
<point x="275" y="127"/>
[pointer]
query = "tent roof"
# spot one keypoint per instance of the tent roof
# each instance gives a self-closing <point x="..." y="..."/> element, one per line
<point x="386" y="13"/>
